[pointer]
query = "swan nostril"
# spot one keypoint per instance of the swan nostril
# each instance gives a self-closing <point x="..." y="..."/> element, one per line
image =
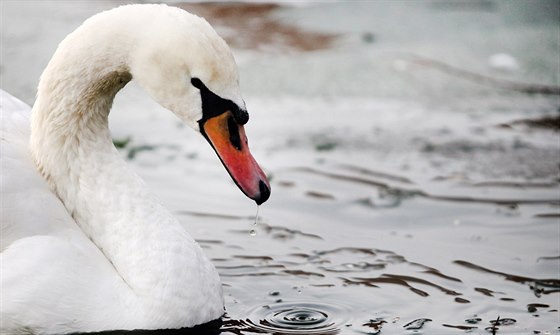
<point x="234" y="137"/>
<point x="264" y="193"/>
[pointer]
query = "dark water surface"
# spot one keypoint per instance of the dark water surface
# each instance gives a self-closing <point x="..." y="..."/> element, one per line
<point x="408" y="196"/>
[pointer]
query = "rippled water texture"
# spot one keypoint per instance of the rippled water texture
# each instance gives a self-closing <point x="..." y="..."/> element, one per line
<point x="413" y="151"/>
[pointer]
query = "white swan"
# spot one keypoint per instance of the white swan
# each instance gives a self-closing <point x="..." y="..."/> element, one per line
<point x="84" y="246"/>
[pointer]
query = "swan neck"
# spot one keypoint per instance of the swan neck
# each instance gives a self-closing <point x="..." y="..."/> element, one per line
<point x="69" y="123"/>
<point x="72" y="148"/>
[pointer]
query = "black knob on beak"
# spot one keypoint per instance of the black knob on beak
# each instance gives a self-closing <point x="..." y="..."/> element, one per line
<point x="264" y="193"/>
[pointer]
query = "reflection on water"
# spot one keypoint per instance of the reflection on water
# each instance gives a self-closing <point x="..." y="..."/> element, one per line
<point x="382" y="255"/>
<point x="295" y="278"/>
<point x="539" y="286"/>
<point x="210" y="328"/>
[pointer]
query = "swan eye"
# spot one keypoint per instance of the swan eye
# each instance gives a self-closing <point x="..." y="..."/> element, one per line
<point x="214" y="105"/>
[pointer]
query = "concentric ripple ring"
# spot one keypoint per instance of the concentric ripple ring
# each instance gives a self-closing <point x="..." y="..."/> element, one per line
<point x="299" y="318"/>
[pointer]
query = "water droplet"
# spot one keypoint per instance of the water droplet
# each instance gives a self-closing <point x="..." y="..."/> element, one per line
<point x="386" y="198"/>
<point x="257" y="215"/>
<point x="253" y="231"/>
<point x="297" y="288"/>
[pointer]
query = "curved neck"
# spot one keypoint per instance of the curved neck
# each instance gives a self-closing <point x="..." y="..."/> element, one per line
<point x="70" y="137"/>
<point x="73" y="150"/>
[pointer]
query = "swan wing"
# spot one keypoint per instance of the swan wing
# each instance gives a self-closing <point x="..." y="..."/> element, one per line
<point x="45" y="259"/>
<point x="28" y="207"/>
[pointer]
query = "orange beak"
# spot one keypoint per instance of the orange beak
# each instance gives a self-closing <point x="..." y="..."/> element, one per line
<point x="228" y="139"/>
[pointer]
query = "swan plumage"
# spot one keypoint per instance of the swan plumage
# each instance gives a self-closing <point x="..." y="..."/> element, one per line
<point x="84" y="245"/>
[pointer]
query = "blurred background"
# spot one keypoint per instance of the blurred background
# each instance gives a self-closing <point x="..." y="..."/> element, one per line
<point x="413" y="149"/>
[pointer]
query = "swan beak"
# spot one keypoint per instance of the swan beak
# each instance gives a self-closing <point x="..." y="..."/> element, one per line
<point x="228" y="139"/>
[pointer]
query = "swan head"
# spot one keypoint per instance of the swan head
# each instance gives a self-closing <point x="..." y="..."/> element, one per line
<point x="188" y="69"/>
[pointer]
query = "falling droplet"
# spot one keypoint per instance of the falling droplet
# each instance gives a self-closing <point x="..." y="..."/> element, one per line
<point x="253" y="231"/>
<point x="257" y="215"/>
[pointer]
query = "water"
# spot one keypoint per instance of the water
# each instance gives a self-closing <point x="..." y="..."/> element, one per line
<point x="406" y="199"/>
<point x="253" y="231"/>
<point x="296" y="318"/>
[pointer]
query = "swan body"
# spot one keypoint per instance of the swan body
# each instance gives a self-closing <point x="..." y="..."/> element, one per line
<point x="84" y="245"/>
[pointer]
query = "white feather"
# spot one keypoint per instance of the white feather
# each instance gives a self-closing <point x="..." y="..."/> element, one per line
<point x="84" y="245"/>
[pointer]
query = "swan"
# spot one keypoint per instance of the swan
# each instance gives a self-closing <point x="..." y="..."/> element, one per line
<point x="84" y="246"/>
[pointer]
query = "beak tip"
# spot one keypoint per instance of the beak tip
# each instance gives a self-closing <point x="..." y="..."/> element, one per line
<point x="264" y="193"/>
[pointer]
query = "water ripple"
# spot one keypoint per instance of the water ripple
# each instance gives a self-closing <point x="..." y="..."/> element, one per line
<point x="297" y="318"/>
